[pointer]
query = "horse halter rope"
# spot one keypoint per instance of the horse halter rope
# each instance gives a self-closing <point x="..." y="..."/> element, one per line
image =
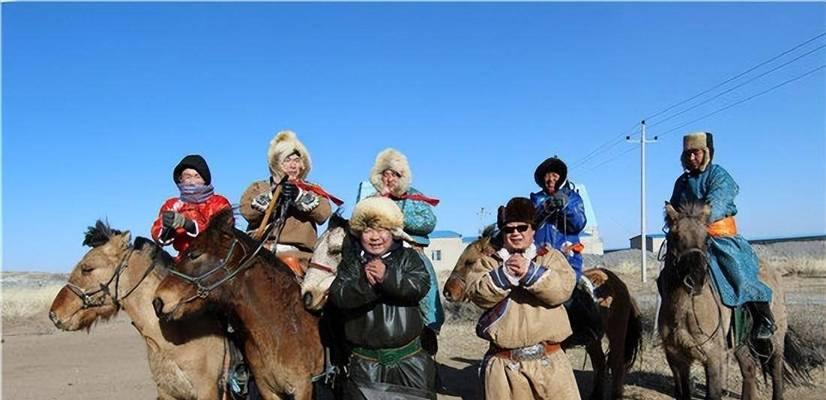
<point x="202" y="290"/>
<point x="687" y="281"/>
<point x="88" y="298"/>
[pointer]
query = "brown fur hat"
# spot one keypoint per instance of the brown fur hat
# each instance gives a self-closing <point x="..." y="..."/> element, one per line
<point x="518" y="209"/>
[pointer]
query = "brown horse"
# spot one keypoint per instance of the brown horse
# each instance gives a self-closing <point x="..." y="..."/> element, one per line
<point x="226" y="268"/>
<point x="187" y="361"/>
<point x="618" y="311"/>
<point x="693" y="323"/>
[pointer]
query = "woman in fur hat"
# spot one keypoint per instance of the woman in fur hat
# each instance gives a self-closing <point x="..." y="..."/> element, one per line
<point x="730" y="257"/>
<point x="522" y="289"/>
<point x="378" y="288"/>
<point x="391" y="178"/>
<point x="309" y="204"/>
<point x="182" y="218"/>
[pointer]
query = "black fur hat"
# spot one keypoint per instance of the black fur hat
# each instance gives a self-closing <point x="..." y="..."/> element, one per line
<point x="195" y="162"/>
<point x="519" y="209"/>
<point x="552" y="164"/>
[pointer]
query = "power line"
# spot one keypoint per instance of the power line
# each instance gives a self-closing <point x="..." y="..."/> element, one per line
<point x="609" y="160"/>
<point x="744" y="100"/>
<point x="738" y="86"/>
<point x="602" y="148"/>
<point x="736" y="76"/>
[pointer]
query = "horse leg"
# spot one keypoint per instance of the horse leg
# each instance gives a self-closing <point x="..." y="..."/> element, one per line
<point x="594" y="349"/>
<point x="776" y="364"/>
<point x="714" y="377"/>
<point x="681" y="371"/>
<point x="748" y="368"/>
<point x="616" y="357"/>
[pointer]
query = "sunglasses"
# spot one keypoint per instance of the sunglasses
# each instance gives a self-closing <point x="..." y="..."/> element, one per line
<point x="517" y="228"/>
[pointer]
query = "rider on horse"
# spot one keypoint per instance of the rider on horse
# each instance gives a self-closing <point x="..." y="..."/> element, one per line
<point x="560" y="214"/>
<point x="308" y="204"/>
<point x="182" y="218"/>
<point x="733" y="263"/>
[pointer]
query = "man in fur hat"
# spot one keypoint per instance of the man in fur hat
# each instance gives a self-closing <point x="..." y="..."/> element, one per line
<point x="522" y="288"/>
<point x="560" y="220"/>
<point x="731" y="259"/>
<point x="184" y="217"/>
<point x="308" y="204"/>
<point x="391" y="178"/>
<point x="378" y="288"/>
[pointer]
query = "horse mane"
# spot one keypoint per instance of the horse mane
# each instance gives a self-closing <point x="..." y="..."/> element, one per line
<point x="694" y="209"/>
<point x="489" y="231"/>
<point x="99" y="234"/>
<point x="336" y="220"/>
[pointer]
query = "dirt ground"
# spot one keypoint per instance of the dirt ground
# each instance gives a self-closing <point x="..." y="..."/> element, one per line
<point x="39" y="362"/>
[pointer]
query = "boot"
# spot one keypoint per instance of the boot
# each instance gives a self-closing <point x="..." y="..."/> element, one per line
<point x="763" y="327"/>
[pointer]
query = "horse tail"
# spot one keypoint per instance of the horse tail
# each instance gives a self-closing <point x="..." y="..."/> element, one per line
<point x="633" y="335"/>
<point x="799" y="359"/>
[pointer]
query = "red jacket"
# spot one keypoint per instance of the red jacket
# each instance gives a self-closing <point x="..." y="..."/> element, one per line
<point x="199" y="213"/>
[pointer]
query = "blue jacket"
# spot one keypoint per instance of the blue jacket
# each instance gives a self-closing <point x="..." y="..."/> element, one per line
<point x="732" y="261"/>
<point x="561" y="226"/>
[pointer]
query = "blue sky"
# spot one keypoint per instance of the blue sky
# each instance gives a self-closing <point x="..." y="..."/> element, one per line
<point x="101" y="100"/>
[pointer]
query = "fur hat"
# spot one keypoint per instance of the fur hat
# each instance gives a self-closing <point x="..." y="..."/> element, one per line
<point x="378" y="213"/>
<point x="195" y="162"/>
<point x="698" y="140"/>
<point x="393" y="160"/>
<point x="552" y="164"/>
<point x="519" y="209"/>
<point x="284" y="144"/>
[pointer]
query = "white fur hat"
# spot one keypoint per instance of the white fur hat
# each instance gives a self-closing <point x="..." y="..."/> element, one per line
<point x="393" y="160"/>
<point x="378" y="213"/>
<point x="282" y="146"/>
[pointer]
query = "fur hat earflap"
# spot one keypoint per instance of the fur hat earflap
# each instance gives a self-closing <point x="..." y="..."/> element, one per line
<point x="518" y="209"/>
<point x="395" y="161"/>
<point x="698" y="141"/>
<point x="378" y="213"/>
<point x="283" y="145"/>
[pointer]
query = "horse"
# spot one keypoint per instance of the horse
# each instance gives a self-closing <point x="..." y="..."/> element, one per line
<point x="618" y="311"/>
<point x="693" y="323"/>
<point x="321" y="271"/>
<point x="187" y="361"/>
<point x="227" y="270"/>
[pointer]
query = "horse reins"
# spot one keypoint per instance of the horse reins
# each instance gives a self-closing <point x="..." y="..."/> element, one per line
<point x="202" y="291"/>
<point x="690" y="285"/>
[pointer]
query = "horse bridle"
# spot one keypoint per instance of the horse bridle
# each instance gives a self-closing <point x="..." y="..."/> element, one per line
<point x="202" y="290"/>
<point x="88" y="297"/>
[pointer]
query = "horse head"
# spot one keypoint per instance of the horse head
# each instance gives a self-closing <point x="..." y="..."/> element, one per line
<point x="327" y="254"/>
<point x="213" y="258"/>
<point x="98" y="282"/>
<point x="484" y="246"/>
<point x="688" y="242"/>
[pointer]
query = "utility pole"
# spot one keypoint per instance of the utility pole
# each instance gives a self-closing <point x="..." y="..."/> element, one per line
<point x="643" y="241"/>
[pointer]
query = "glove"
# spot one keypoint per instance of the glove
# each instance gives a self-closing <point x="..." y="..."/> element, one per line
<point x="173" y="220"/>
<point x="559" y="200"/>
<point x="289" y="192"/>
<point x="262" y="201"/>
<point x="307" y="201"/>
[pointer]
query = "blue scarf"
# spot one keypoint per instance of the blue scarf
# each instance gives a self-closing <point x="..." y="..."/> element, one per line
<point x="195" y="193"/>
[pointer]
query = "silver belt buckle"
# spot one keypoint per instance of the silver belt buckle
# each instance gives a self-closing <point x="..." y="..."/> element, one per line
<point x="534" y="352"/>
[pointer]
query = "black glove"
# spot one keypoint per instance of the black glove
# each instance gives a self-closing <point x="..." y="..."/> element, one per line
<point x="168" y="219"/>
<point x="559" y="200"/>
<point x="289" y="192"/>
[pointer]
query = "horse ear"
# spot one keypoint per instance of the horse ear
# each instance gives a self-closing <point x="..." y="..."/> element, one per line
<point x="670" y="213"/>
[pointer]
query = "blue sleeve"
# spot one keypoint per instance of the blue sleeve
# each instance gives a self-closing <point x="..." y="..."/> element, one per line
<point x="575" y="213"/>
<point x="677" y="192"/>
<point x="720" y="194"/>
<point x="418" y="216"/>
